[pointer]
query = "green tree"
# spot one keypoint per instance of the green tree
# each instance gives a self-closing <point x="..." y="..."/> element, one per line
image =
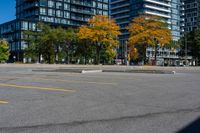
<point x="32" y="51"/>
<point x="50" y="43"/>
<point x="70" y="43"/>
<point x="190" y="45"/>
<point x="85" y="51"/>
<point x="196" y="48"/>
<point x="4" y="51"/>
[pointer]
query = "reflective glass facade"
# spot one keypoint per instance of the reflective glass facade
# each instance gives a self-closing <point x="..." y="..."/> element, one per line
<point x="176" y="19"/>
<point x="190" y="15"/>
<point x="13" y="32"/>
<point x="123" y="11"/>
<point x="65" y="13"/>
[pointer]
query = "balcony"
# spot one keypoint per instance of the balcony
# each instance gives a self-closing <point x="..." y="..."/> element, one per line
<point x="120" y="6"/>
<point x="157" y="14"/>
<point x="78" y="18"/>
<point x="82" y="11"/>
<point x="159" y="3"/>
<point x="76" y="2"/>
<point x="30" y="6"/>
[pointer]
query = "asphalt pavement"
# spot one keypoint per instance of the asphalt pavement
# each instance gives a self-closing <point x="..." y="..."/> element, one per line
<point x="102" y="102"/>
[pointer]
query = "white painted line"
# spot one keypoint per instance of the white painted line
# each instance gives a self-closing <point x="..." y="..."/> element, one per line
<point x="91" y="71"/>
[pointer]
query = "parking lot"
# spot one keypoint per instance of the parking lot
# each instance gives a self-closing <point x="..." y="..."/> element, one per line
<point x="107" y="102"/>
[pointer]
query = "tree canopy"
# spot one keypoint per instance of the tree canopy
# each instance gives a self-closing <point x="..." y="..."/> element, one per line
<point x="148" y="31"/>
<point x="50" y="42"/>
<point x="103" y="33"/>
<point x="192" y="41"/>
<point x="4" y="51"/>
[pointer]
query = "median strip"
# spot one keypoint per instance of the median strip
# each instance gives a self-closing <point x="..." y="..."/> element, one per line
<point x="39" y="88"/>
<point x="91" y="71"/>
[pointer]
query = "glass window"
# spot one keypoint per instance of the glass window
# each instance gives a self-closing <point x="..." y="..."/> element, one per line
<point x="43" y="11"/>
<point x="51" y="4"/>
<point x="66" y="7"/>
<point x="105" y="6"/>
<point x="43" y="2"/>
<point x="99" y="5"/>
<point x="51" y="12"/>
<point x="66" y="14"/>
<point x="58" y="5"/>
<point x="59" y="13"/>
<point x="24" y="25"/>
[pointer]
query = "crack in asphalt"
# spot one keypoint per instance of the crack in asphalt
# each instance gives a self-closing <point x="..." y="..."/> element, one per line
<point x="8" y="80"/>
<point x="78" y="123"/>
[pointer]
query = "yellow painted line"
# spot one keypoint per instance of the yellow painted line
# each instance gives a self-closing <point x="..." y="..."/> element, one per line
<point x="3" y="102"/>
<point x="36" y="87"/>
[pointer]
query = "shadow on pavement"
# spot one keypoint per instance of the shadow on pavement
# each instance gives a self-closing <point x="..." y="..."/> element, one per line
<point x="193" y="127"/>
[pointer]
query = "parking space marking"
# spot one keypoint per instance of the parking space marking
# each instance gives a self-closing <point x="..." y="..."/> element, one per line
<point x="3" y="102"/>
<point x="36" y="87"/>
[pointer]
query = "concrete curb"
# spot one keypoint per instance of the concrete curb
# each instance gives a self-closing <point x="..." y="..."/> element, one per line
<point x="91" y="71"/>
<point x="142" y="71"/>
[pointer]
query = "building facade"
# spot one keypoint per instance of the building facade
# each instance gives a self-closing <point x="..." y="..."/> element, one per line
<point x="123" y="11"/>
<point x="65" y="13"/>
<point x="13" y="32"/>
<point x="190" y="15"/>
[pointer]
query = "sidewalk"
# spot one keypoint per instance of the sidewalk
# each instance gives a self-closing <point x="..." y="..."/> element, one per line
<point x="106" y="68"/>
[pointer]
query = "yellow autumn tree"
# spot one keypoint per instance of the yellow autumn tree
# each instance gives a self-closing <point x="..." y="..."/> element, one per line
<point x="148" y="31"/>
<point x="103" y="33"/>
<point x="133" y="54"/>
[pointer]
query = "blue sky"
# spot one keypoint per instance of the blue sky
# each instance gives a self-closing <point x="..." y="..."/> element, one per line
<point x="7" y="10"/>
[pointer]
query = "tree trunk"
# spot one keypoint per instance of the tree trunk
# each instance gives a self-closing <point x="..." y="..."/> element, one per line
<point x="85" y="57"/>
<point x="56" y="54"/>
<point x="155" y="55"/>
<point x="49" y="58"/>
<point x="39" y="58"/>
<point x="97" y="55"/>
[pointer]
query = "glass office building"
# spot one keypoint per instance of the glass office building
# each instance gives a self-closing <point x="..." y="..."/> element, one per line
<point x="123" y="11"/>
<point x="65" y="13"/>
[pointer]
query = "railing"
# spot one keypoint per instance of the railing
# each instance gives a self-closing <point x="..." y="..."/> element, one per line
<point x="81" y="3"/>
<point x="82" y="11"/>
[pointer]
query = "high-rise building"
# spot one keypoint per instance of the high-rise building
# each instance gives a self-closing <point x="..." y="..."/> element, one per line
<point x="123" y="11"/>
<point x="190" y="15"/>
<point x="65" y="13"/>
